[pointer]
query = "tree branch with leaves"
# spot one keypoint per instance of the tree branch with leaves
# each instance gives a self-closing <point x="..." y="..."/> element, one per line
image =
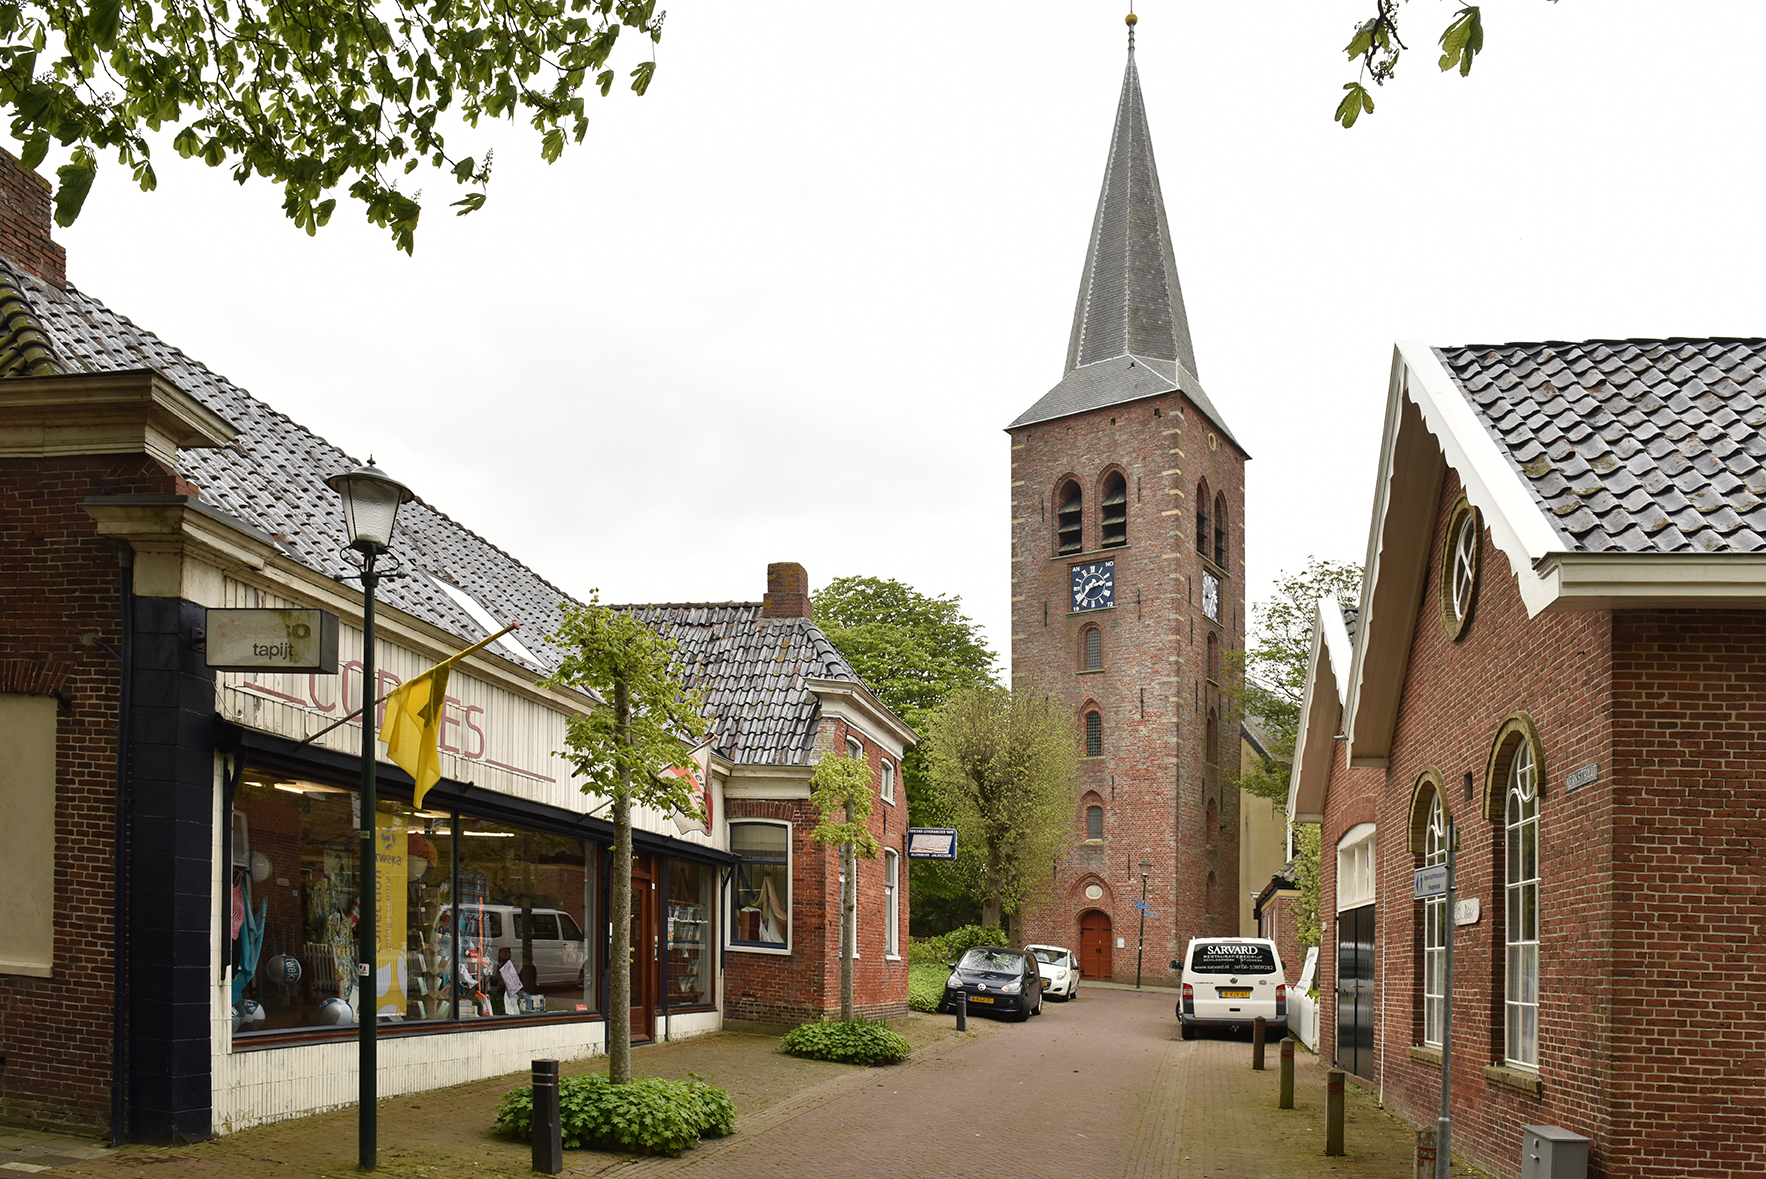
<point x="841" y="791"/>
<point x="1377" y="46"/>
<point x="644" y="723"/>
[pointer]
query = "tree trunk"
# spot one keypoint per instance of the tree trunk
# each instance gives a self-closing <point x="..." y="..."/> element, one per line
<point x="990" y="892"/>
<point x="848" y="926"/>
<point x="619" y="973"/>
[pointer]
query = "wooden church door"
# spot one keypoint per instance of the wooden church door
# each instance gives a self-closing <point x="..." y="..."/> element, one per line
<point x="1094" y="945"/>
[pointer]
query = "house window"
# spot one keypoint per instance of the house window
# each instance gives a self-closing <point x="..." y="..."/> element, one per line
<point x="1434" y="926"/>
<point x="1094" y="822"/>
<point x="891" y="903"/>
<point x="1521" y="903"/>
<point x="1092" y="658"/>
<point x="855" y="750"/>
<point x="887" y="782"/>
<point x="1202" y="535"/>
<point x="1094" y="734"/>
<point x="761" y="897"/>
<point x="1115" y="519"/>
<point x="1220" y="530"/>
<point x="1069" y="519"/>
<point x="1459" y="568"/>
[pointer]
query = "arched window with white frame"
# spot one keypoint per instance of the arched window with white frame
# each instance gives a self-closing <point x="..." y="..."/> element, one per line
<point x="1521" y="909"/>
<point x="1434" y="926"/>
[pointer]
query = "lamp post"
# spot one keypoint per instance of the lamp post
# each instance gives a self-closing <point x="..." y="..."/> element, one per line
<point x="1141" y="943"/>
<point x="370" y="504"/>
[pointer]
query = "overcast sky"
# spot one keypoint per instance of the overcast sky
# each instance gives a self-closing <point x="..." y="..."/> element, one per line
<point x="782" y="307"/>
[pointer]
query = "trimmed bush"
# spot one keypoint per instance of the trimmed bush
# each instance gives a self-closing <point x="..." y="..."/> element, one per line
<point x="955" y="944"/>
<point x="648" y="1116"/>
<point x="856" y="1041"/>
<point x="926" y="984"/>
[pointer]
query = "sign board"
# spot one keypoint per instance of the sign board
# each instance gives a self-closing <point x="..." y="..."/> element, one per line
<point x="1431" y="882"/>
<point x="1582" y="777"/>
<point x="932" y="843"/>
<point x="1468" y="911"/>
<point x="274" y="640"/>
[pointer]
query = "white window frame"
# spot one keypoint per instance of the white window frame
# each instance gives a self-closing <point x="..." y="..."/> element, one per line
<point x="1356" y="875"/>
<point x="891" y="904"/>
<point x="1434" y="927"/>
<point x="886" y="782"/>
<point x="730" y="942"/>
<point x="855" y="749"/>
<point x="1520" y="1040"/>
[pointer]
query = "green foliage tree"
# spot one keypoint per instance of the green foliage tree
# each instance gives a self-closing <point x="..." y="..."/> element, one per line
<point x="1271" y="677"/>
<point x="1308" y="875"/>
<point x="913" y="650"/>
<point x="644" y="724"/>
<point x="841" y="790"/>
<point x="1377" y="46"/>
<point x="313" y="95"/>
<point x="1001" y="765"/>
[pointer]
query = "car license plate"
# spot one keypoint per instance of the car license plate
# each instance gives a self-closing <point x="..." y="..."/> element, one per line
<point x="1231" y="993"/>
<point x="980" y="998"/>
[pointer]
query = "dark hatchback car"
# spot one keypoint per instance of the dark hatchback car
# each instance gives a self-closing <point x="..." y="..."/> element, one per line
<point x="997" y="981"/>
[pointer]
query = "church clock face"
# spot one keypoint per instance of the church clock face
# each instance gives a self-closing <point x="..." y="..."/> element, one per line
<point x="1211" y="595"/>
<point x="1094" y="585"/>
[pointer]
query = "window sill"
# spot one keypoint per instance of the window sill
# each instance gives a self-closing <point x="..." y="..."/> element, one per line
<point x="743" y="948"/>
<point x="1424" y="1054"/>
<point x="1519" y="1079"/>
<point x="892" y="957"/>
<point x="1094" y="843"/>
<point x="1091" y="670"/>
<point x="1081" y="554"/>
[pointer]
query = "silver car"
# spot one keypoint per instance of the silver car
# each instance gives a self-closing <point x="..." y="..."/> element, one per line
<point x="1060" y="970"/>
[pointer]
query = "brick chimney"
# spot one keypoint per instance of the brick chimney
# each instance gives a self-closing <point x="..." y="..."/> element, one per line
<point x="25" y="220"/>
<point x="787" y="591"/>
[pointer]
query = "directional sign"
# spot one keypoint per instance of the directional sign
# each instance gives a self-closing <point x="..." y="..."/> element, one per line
<point x="1143" y="905"/>
<point x="932" y="843"/>
<point x="1431" y="882"/>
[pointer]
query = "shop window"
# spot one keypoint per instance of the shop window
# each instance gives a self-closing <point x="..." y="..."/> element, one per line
<point x="523" y="900"/>
<point x="1094" y="823"/>
<point x="1092" y="650"/>
<point x="761" y="896"/>
<point x="1202" y="536"/>
<point x="1094" y="734"/>
<point x="1220" y="529"/>
<point x="1115" y="516"/>
<point x="891" y="903"/>
<point x="1069" y="519"/>
<point x="689" y="938"/>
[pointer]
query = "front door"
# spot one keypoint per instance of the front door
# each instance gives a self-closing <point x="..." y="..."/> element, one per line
<point x="643" y="959"/>
<point x="1094" y="945"/>
<point x="1355" y="991"/>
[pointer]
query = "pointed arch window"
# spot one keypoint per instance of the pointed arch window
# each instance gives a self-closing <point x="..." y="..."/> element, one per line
<point x="1091" y="650"/>
<point x="1220" y="529"/>
<point x="1213" y="657"/>
<point x="1094" y="734"/>
<point x="1069" y="518"/>
<point x="1115" y="516"/>
<point x="1202" y="535"/>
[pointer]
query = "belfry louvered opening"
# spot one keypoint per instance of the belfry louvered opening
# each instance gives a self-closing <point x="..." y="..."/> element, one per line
<point x="1069" y="519"/>
<point x="1115" y="511"/>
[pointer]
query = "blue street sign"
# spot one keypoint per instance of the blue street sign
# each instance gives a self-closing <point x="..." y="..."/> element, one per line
<point x="932" y="843"/>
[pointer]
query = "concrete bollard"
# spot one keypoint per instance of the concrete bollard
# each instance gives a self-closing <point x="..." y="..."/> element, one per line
<point x="1425" y="1154"/>
<point x="548" y="1134"/>
<point x="1334" y="1113"/>
<point x="962" y="1011"/>
<point x="1287" y="1101"/>
<point x="1259" y="1032"/>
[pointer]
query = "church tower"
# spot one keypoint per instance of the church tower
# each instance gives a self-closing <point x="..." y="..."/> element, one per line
<point x="1128" y="592"/>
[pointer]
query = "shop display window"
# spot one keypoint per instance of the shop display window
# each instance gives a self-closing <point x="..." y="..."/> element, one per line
<point x="524" y="897"/>
<point x="689" y="934"/>
<point x="761" y="899"/>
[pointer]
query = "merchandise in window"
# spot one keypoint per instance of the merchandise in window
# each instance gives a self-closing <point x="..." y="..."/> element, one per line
<point x="689" y="934"/>
<point x="761" y="897"/>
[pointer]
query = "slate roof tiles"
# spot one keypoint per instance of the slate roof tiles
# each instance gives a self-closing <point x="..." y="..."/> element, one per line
<point x="1631" y="446"/>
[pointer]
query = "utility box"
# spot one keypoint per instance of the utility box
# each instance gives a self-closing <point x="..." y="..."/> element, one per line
<point x="1552" y="1152"/>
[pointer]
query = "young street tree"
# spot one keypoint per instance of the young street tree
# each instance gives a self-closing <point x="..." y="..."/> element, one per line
<point x="312" y="95"/>
<point x="620" y="751"/>
<point x="841" y="790"/>
<point x="1001" y="764"/>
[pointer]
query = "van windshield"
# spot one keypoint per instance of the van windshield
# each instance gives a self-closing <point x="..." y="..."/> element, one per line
<point x="1232" y="958"/>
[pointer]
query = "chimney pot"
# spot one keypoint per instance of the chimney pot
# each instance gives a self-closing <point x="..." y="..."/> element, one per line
<point x="787" y="591"/>
<point x="26" y="217"/>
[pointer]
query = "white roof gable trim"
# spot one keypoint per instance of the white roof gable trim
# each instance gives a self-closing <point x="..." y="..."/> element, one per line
<point x="1321" y="708"/>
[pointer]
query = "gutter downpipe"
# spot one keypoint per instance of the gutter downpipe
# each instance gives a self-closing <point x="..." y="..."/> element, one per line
<point x="119" y="867"/>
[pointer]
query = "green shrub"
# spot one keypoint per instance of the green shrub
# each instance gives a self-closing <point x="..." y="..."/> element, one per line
<point x="648" y="1116"/>
<point x="954" y="944"/>
<point x="856" y="1041"/>
<point x="926" y="984"/>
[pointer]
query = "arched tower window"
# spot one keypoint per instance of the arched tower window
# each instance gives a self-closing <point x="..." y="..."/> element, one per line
<point x="1202" y="537"/>
<point x="1211" y="823"/>
<point x="1091" y="650"/>
<point x="1213" y="656"/>
<point x="1069" y="518"/>
<point x="1213" y="748"/>
<point x="1094" y="734"/>
<point x="1094" y="822"/>
<point x="1115" y="518"/>
<point x="1220" y="530"/>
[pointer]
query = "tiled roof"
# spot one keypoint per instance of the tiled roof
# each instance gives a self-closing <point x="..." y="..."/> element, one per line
<point x="1117" y="381"/>
<point x="754" y="672"/>
<point x="1351" y="616"/>
<point x="1631" y="445"/>
<point x="272" y="476"/>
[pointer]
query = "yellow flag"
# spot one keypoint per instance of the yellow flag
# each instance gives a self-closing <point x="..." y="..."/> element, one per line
<point x="412" y="730"/>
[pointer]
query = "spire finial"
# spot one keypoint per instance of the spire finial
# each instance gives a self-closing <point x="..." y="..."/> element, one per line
<point x="1131" y="20"/>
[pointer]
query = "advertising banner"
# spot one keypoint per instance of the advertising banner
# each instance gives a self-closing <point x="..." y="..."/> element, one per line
<point x="390" y="878"/>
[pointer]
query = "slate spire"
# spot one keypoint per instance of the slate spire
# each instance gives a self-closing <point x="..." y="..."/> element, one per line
<point x="1130" y="302"/>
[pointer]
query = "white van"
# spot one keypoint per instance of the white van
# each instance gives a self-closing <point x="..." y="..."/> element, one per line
<point x="498" y="933"/>
<point x="1229" y="982"/>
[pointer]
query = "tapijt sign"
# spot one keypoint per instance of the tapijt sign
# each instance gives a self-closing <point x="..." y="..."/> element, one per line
<point x="276" y="640"/>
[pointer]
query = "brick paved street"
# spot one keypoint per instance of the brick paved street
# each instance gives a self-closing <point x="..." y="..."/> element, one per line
<point x="1098" y="1087"/>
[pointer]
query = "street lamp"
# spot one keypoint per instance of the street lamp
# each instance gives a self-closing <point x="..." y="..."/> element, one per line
<point x="1141" y="945"/>
<point x="371" y="502"/>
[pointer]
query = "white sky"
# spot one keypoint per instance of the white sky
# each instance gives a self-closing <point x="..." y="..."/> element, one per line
<point x="781" y="308"/>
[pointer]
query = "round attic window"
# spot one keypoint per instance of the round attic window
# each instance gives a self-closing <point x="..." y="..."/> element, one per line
<point x="1460" y="562"/>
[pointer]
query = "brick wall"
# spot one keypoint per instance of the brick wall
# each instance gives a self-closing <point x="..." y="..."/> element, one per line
<point x="25" y="219"/>
<point x="1154" y="695"/>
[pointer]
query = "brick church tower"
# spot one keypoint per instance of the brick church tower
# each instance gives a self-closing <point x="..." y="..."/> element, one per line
<point x="1128" y="591"/>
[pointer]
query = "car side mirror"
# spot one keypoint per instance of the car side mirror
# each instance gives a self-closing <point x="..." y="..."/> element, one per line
<point x="952" y="965"/>
<point x="1176" y="965"/>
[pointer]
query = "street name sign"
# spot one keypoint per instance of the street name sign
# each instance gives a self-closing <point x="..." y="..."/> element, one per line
<point x="1431" y="882"/>
<point x="272" y="640"/>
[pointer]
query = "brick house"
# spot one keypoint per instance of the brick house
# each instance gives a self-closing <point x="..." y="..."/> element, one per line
<point x="1559" y="647"/>
<point x="182" y="871"/>
<point x="1128" y="591"/>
